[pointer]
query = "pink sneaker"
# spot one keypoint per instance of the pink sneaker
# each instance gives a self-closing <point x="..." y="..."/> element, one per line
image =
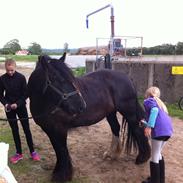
<point x="17" y="157"/>
<point x="35" y="156"/>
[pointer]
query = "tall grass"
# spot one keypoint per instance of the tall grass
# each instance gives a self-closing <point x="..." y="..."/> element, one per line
<point x="80" y="71"/>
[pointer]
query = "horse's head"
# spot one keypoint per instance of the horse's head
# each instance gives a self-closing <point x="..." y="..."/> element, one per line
<point x="60" y="86"/>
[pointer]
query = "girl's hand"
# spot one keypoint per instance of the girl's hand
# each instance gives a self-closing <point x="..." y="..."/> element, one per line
<point x="7" y="107"/>
<point x="142" y="123"/>
<point x="147" y="132"/>
<point x="13" y="106"/>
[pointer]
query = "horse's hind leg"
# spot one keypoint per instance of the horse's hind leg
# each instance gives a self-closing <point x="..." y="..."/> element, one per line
<point x="115" y="149"/>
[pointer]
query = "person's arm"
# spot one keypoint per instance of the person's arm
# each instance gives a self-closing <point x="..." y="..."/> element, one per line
<point x="152" y="117"/>
<point x="151" y="106"/>
<point x="2" y="98"/>
<point x="151" y="122"/>
<point x="24" y="93"/>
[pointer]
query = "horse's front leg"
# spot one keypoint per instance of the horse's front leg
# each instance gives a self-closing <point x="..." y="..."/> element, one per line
<point x="63" y="170"/>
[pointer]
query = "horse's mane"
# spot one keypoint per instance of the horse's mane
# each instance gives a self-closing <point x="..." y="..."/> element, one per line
<point x="59" y="65"/>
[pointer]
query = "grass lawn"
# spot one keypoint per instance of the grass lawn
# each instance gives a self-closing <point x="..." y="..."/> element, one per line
<point x="27" y="58"/>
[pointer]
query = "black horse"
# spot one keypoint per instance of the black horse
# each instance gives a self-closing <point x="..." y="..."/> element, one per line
<point x="59" y="101"/>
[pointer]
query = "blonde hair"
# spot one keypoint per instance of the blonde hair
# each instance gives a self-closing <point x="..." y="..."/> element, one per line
<point x="154" y="92"/>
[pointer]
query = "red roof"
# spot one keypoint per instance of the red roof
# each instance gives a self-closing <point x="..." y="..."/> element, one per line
<point x="22" y="52"/>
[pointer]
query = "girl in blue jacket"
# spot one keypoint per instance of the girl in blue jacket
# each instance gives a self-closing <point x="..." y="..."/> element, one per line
<point x="158" y="126"/>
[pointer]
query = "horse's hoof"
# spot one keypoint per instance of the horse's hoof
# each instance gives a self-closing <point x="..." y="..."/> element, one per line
<point x="112" y="156"/>
<point x="141" y="160"/>
<point x="61" y="179"/>
<point x="106" y="155"/>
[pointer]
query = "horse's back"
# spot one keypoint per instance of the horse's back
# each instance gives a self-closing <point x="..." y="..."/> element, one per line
<point x="108" y="89"/>
<point x="113" y="80"/>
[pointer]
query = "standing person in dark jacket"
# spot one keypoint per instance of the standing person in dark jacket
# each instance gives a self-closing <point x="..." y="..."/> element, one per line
<point x="159" y="128"/>
<point x="13" y="95"/>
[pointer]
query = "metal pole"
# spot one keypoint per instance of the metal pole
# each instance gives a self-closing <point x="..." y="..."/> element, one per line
<point x="150" y="75"/>
<point x="112" y="24"/>
<point x="141" y="46"/>
<point x="112" y="21"/>
<point x="96" y="49"/>
<point x="112" y="33"/>
<point x="125" y="47"/>
<point x="87" y="22"/>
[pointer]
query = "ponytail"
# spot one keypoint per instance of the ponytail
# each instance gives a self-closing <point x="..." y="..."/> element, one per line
<point x="161" y="104"/>
<point x="155" y="93"/>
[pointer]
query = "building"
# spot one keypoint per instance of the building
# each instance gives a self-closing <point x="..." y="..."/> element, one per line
<point x="22" y="52"/>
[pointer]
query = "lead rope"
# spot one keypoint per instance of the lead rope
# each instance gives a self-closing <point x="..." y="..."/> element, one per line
<point x="29" y="117"/>
<point x="15" y="119"/>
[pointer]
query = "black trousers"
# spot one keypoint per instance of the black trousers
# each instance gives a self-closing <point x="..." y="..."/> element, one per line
<point x="20" y="112"/>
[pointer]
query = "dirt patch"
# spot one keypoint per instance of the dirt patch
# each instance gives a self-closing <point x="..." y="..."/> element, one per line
<point x="87" y="145"/>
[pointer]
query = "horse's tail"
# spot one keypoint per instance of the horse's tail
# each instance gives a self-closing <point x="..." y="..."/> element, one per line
<point x="129" y="128"/>
<point x="130" y="143"/>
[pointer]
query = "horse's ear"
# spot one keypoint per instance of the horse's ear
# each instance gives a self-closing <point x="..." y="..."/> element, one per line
<point x="63" y="57"/>
<point x="40" y="57"/>
<point x="43" y="60"/>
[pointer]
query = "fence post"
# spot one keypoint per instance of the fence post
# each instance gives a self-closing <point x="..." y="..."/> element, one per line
<point x="150" y="75"/>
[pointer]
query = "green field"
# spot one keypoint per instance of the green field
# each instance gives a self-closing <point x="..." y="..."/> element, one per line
<point x="28" y="58"/>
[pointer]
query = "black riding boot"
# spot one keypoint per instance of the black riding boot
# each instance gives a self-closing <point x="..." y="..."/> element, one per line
<point x="162" y="170"/>
<point x="155" y="173"/>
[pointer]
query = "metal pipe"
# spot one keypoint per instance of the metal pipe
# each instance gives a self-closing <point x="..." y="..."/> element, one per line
<point x="112" y="25"/>
<point x="112" y="17"/>
<point x="112" y="21"/>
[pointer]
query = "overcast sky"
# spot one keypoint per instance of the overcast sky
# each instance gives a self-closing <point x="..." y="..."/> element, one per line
<point x="51" y="23"/>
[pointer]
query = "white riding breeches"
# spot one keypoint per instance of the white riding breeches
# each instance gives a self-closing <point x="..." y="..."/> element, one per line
<point x="157" y="146"/>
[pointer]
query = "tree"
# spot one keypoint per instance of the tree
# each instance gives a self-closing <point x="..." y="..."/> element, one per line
<point x="11" y="47"/>
<point x="179" y="48"/>
<point x="66" y="47"/>
<point x="35" y="48"/>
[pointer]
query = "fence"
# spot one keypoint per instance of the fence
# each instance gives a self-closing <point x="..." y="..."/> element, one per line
<point x="147" y="71"/>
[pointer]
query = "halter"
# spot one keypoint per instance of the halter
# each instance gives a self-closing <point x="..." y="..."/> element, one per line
<point x="64" y="96"/>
